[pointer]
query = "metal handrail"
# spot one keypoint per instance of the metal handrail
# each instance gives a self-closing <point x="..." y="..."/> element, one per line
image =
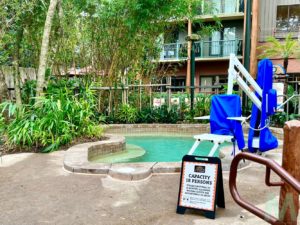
<point x="270" y="165"/>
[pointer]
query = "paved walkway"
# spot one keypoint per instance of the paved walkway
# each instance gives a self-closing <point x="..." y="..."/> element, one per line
<point x="35" y="189"/>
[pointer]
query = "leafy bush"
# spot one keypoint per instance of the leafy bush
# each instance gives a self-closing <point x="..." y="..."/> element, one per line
<point x="202" y="105"/>
<point x="127" y="114"/>
<point x="163" y="115"/>
<point x="280" y="118"/>
<point x="28" y="92"/>
<point x="146" y="115"/>
<point x="65" y="111"/>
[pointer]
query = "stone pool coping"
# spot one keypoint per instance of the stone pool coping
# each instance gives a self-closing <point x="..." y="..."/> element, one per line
<point x="76" y="160"/>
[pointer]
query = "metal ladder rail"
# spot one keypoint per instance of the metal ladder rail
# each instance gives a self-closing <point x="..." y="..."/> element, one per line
<point x="270" y="165"/>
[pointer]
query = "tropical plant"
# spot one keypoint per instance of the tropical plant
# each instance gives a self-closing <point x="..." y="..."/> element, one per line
<point x="276" y="48"/>
<point x="202" y="105"/>
<point x="65" y="111"/>
<point x="127" y="114"/>
<point x="146" y="115"/>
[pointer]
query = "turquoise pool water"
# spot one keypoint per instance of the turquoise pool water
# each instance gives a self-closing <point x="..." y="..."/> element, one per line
<point x="155" y="149"/>
<point x="165" y="148"/>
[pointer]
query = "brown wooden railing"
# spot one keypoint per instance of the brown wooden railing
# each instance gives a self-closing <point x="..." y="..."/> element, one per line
<point x="270" y="165"/>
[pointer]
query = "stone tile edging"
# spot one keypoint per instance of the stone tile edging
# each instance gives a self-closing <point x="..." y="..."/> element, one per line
<point x="76" y="160"/>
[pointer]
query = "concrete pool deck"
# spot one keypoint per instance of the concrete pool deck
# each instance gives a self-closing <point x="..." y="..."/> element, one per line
<point x="35" y="189"/>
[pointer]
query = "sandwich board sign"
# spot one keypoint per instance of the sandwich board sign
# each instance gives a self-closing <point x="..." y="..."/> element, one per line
<point x="201" y="185"/>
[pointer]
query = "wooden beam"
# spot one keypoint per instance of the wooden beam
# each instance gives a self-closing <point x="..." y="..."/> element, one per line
<point x="254" y="38"/>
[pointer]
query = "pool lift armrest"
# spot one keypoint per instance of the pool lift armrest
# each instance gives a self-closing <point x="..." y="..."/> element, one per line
<point x="216" y="139"/>
<point x="202" y="118"/>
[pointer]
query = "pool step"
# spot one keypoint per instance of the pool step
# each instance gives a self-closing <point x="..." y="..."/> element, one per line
<point x="131" y="152"/>
<point x="131" y="171"/>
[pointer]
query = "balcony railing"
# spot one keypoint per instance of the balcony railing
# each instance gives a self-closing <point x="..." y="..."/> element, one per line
<point x="221" y="7"/>
<point x="203" y="49"/>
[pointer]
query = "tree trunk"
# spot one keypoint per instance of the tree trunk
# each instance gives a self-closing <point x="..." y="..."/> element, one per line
<point x="3" y="88"/>
<point x="16" y="65"/>
<point x="285" y="64"/>
<point x="44" y="48"/>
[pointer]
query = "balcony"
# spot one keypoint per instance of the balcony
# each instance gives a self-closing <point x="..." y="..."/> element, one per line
<point x="217" y="7"/>
<point x="203" y="50"/>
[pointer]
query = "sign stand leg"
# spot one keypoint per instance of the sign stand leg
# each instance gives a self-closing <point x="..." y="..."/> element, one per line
<point x="180" y="210"/>
<point x="220" y="197"/>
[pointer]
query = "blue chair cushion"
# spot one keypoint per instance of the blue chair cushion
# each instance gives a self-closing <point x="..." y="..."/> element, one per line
<point x="222" y="107"/>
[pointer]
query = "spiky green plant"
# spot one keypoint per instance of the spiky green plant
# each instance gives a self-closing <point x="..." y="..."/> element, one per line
<point x="284" y="49"/>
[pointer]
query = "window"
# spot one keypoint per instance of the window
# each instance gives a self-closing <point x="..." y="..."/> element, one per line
<point x="206" y="84"/>
<point x="287" y="19"/>
<point x="229" y="44"/>
<point x="223" y="42"/>
<point x="215" y="47"/>
<point x="178" y="82"/>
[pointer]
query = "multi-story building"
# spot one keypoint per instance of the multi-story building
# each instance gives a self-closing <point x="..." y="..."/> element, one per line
<point x="276" y="18"/>
<point x="212" y="52"/>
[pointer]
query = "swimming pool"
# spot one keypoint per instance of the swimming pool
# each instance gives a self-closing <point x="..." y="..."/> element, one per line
<point x="155" y="149"/>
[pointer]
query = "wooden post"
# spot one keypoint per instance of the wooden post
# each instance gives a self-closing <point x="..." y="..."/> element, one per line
<point x="140" y="91"/>
<point x="188" y="71"/>
<point x="169" y="92"/>
<point x="99" y="101"/>
<point x="109" y="102"/>
<point x="150" y="94"/>
<point x="124" y="91"/>
<point x="289" y="198"/>
<point x="254" y="38"/>
<point x="127" y="90"/>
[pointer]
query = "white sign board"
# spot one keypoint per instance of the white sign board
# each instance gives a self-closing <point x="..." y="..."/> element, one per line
<point x="279" y="89"/>
<point x="157" y="102"/>
<point x="198" y="185"/>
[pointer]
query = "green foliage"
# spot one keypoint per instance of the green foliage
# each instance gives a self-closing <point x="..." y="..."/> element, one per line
<point x="127" y="114"/>
<point x="28" y="92"/>
<point x="65" y="111"/>
<point x="285" y="49"/>
<point x="163" y="115"/>
<point x="280" y="118"/>
<point x="146" y="115"/>
<point x="202" y="106"/>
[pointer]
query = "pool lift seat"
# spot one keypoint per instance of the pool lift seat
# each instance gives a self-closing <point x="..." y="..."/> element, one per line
<point x="264" y="99"/>
<point x="225" y="116"/>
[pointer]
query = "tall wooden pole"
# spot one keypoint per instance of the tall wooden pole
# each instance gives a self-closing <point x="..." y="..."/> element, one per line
<point x="246" y="45"/>
<point x="247" y="32"/>
<point x="188" y="71"/>
<point x="289" y="198"/>
<point x="254" y="38"/>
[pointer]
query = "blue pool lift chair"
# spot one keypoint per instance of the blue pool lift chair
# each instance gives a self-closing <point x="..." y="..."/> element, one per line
<point x="225" y="124"/>
<point x="226" y="120"/>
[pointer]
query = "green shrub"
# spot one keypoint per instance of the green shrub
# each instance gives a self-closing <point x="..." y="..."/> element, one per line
<point x="127" y="114"/>
<point x="202" y="105"/>
<point x="163" y="115"/>
<point x="65" y="111"/>
<point x="146" y="115"/>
